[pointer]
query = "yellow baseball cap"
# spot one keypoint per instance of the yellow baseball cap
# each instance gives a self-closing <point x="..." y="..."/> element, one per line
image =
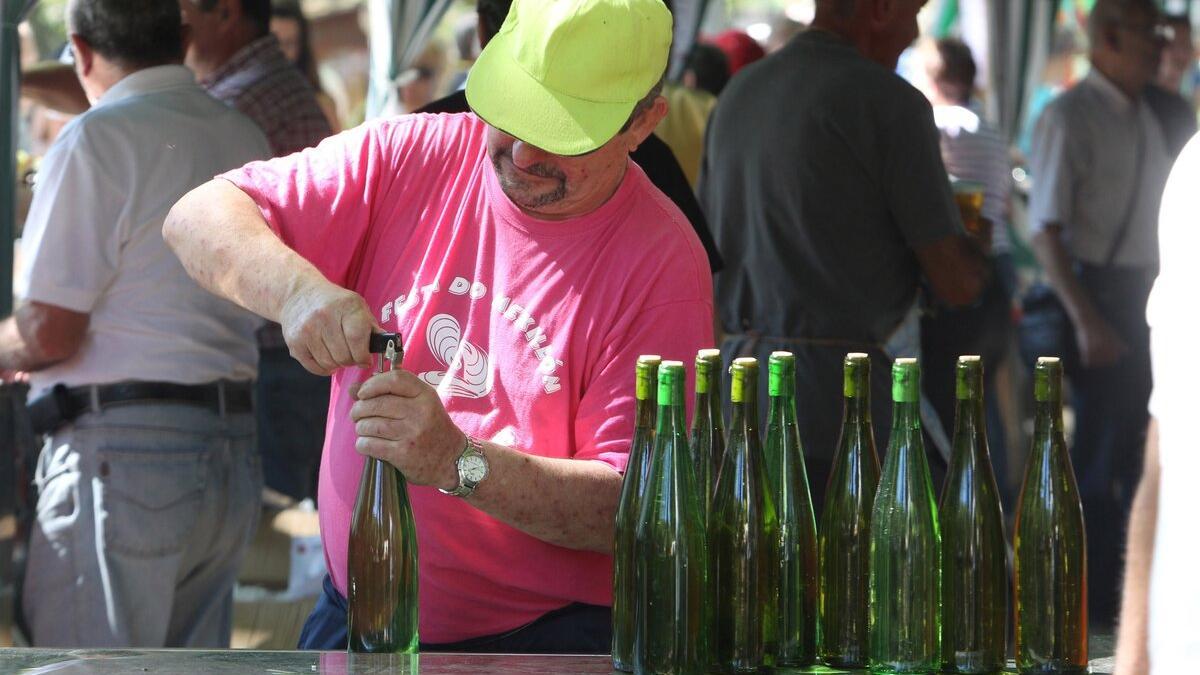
<point x="564" y="75"/>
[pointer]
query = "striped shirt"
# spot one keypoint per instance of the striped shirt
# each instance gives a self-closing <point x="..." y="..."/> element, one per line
<point x="974" y="150"/>
<point x="263" y="85"/>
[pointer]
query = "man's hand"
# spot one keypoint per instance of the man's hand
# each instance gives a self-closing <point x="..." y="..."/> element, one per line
<point x="1099" y="344"/>
<point x="400" y="419"/>
<point x="327" y="327"/>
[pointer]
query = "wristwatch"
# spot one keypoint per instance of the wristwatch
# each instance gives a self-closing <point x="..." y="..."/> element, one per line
<point x="472" y="469"/>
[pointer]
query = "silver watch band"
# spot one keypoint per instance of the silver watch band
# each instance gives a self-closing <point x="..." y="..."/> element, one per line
<point x="468" y="464"/>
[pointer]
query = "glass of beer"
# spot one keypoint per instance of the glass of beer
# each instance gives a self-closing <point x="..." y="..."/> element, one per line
<point x="968" y="195"/>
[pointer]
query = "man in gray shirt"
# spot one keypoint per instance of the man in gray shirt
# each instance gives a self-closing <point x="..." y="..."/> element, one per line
<point x="824" y="184"/>
<point x="1100" y="161"/>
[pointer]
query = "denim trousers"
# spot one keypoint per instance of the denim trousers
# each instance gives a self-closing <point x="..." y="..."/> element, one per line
<point x="143" y="516"/>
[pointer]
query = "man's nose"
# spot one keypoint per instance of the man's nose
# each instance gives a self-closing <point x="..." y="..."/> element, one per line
<point x="526" y="155"/>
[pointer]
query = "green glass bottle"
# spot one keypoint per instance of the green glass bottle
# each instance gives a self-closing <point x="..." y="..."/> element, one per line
<point x="974" y="575"/>
<point x="905" y="612"/>
<point x="671" y="557"/>
<point x="628" y="510"/>
<point x="742" y="532"/>
<point x="382" y="553"/>
<point x="844" y="538"/>
<point x="796" y="636"/>
<point x="708" y="429"/>
<point x="1050" y="549"/>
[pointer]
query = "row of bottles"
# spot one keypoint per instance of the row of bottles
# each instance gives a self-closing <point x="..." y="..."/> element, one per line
<point x="726" y="567"/>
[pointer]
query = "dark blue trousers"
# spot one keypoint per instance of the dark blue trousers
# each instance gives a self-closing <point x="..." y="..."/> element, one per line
<point x="574" y="629"/>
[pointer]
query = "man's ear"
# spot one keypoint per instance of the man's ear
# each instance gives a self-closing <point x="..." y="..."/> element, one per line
<point x="880" y="12"/>
<point x="185" y="38"/>
<point x="85" y="56"/>
<point x="646" y="122"/>
<point x="229" y="11"/>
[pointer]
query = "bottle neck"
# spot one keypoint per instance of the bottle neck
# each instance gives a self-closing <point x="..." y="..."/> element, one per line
<point x="906" y="416"/>
<point x="644" y="414"/>
<point x="744" y="415"/>
<point x="781" y="410"/>
<point x="856" y="410"/>
<point x="1048" y="417"/>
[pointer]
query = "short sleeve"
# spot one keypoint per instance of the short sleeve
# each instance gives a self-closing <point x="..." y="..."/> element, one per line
<point x="75" y="230"/>
<point x="319" y="201"/>
<point x="1050" y="167"/>
<point x="913" y="177"/>
<point x="605" y="420"/>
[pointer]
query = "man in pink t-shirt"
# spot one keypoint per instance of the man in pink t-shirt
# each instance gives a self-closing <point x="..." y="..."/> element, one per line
<point x="527" y="263"/>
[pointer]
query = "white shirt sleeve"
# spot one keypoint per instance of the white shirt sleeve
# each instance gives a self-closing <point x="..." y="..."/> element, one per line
<point x="1050" y="200"/>
<point x="73" y="237"/>
<point x="1174" y="325"/>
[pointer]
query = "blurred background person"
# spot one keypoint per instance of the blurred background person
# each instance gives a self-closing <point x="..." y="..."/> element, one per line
<point x="740" y="49"/>
<point x="1174" y="112"/>
<point x="291" y="28"/>
<point x="422" y="82"/>
<point x="826" y="191"/>
<point x="1100" y="160"/>
<point x="976" y="154"/>
<point x="1179" y="55"/>
<point x="706" y="69"/>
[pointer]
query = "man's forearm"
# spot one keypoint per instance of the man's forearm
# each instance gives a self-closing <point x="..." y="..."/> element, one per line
<point x="55" y="86"/>
<point x="16" y="354"/>
<point x="566" y="502"/>
<point x="1052" y="256"/>
<point x="39" y="335"/>
<point x="227" y="247"/>
<point x="1132" y="653"/>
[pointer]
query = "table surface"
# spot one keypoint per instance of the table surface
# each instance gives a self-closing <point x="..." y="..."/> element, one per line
<point x="218" y="662"/>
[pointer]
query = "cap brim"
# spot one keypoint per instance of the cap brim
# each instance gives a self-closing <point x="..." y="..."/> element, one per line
<point x="501" y="93"/>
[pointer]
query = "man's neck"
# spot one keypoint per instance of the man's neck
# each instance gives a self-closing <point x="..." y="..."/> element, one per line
<point x="1128" y="86"/>
<point x="852" y="30"/>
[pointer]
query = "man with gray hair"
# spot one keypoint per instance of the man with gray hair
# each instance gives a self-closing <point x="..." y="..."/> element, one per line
<point x="148" y="481"/>
<point x="1100" y="162"/>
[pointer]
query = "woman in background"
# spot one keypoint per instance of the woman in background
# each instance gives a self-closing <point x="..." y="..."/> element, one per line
<point x="290" y="27"/>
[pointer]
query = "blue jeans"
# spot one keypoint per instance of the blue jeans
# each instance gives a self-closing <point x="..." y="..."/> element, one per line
<point x="143" y="515"/>
<point x="573" y="629"/>
<point x="291" y="405"/>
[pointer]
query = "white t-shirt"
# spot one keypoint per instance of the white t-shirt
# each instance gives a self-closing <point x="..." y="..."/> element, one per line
<point x="1174" y="330"/>
<point x="93" y="239"/>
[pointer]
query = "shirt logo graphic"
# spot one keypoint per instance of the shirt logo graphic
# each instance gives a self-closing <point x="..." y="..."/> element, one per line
<point x="467" y="372"/>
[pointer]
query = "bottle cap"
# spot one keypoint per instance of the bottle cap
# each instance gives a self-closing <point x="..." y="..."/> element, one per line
<point x="647" y="373"/>
<point x="745" y="377"/>
<point x="856" y="375"/>
<point x="708" y="364"/>
<point x="968" y="378"/>
<point x="781" y="374"/>
<point x="670" y="382"/>
<point x="906" y="381"/>
<point x="1047" y="380"/>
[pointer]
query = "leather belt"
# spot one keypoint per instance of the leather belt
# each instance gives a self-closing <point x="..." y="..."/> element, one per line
<point x="64" y="404"/>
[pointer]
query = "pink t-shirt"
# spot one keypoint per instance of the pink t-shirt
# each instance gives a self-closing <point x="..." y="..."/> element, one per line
<point x="529" y="329"/>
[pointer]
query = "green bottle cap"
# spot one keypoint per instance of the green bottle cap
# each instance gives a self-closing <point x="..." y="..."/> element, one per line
<point x="670" y="382"/>
<point x="856" y="375"/>
<point x="745" y="375"/>
<point x="708" y="364"/>
<point x="968" y="378"/>
<point x="906" y="381"/>
<point x="1047" y="380"/>
<point x="781" y="373"/>
<point x="647" y="372"/>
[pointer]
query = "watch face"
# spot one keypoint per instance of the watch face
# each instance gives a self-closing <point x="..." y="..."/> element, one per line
<point x="474" y="468"/>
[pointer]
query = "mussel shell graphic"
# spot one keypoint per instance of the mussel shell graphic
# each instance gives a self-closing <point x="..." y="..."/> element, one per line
<point x="467" y="373"/>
